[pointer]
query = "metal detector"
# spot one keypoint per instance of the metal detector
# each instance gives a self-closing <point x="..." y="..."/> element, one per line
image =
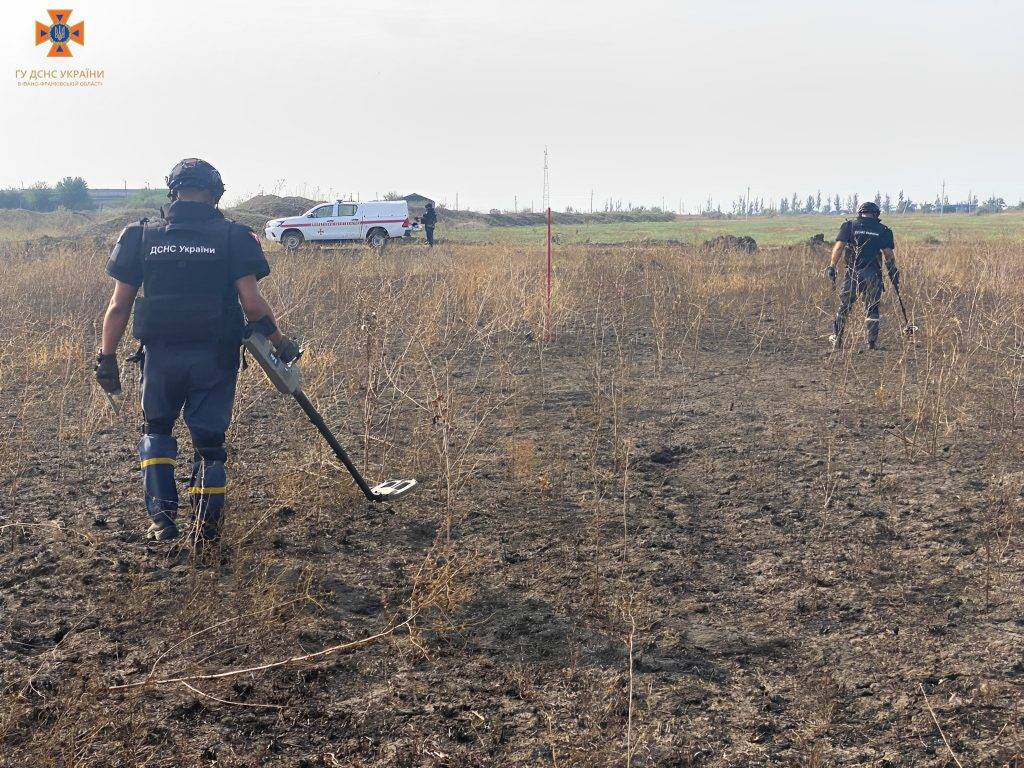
<point x="285" y="377"/>
<point x="911" y="329"/>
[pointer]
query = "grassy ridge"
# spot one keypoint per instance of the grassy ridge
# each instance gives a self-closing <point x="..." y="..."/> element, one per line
<point x="781" y="230"/>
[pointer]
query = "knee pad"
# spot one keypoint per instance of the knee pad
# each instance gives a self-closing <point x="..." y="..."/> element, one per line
<point x="158" y="427"/>
<point x="157" y="446"/>
<point x="209" y="446"/>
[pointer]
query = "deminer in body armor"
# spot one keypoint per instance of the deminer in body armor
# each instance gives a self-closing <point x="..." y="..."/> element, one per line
<point x="199" y="275"/>
<point x="864" y="243"/>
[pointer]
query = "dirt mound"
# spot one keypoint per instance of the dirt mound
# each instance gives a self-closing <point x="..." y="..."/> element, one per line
<point x="105" y="226"/>
<point x="256" y="221"/>
<point x="729" y="243"/>
<point x="109" y="228"/>
<point x="255" y="211"/>
<point x="271" y="206"/>
<point x="252" y="213"/>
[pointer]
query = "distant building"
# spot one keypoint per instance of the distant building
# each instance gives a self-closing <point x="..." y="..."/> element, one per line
<point x="105" y="198"/>
<point x="417" y="203"/>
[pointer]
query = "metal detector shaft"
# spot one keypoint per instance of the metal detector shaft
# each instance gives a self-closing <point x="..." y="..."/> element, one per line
<point x="287" y="379"/>
<point x="902" y="308"/>
<point x="910" y="329"/>
<point x="321" y="425"/>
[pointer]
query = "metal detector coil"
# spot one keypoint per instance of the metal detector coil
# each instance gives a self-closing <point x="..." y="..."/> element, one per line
<point x="286" y="378"/>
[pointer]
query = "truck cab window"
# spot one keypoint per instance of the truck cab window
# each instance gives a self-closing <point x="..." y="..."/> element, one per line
<point x="323" y="212"/>
<point x="347" y="209"/>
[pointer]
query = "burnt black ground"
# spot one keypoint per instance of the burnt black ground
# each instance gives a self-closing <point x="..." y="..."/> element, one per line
<point x="792" y="577"/>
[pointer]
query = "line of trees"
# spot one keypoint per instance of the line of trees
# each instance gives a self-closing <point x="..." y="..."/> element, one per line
<point x="70" y="192"/>
<point x="838" y="205"/>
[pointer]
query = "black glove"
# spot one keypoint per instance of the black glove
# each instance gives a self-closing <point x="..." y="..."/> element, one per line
<point x="894" y="275"/>
<point x="831" y="274"/>
<point x="288" y="350"/>
<point x="264" y="325"/>
<point x="107" y="373"/>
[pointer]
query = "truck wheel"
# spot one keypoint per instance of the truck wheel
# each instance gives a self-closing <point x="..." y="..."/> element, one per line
<point x="377" y="238"/>
<point x="292" y="239"/>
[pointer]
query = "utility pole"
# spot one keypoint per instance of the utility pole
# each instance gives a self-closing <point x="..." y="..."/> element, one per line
<point x="515" y="203"/>
<point x="456" y="201"/>
<point x="942" y="199"/>
<point x="746" y="204"/>
<point x="546" y="200"/>
<point x="591" y="201"/>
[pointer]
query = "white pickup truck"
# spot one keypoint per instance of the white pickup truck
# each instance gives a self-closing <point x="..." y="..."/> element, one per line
<point x="375" y="221"/>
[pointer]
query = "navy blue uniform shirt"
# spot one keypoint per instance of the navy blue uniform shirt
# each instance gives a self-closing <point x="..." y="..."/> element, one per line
<point x="125" y="262"/>
<point x="865" y="238"/>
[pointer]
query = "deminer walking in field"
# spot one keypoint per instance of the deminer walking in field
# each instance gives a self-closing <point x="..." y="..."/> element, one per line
<point x="198" y="273"/>
<point x="429" y="220"/>
<point x="863" y="244"/>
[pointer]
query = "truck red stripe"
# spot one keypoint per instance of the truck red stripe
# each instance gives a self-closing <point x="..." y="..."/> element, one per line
<point x="340" y="223"/>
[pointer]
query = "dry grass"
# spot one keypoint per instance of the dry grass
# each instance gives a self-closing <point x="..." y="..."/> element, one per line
<point x="432" y="363"/>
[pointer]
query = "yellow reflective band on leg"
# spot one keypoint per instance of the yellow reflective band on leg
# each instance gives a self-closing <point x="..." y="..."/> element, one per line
<point x="198" y="491"/>
<point x="151" y="462"/>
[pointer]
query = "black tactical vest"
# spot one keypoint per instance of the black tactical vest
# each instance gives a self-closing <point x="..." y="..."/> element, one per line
<point x="188" y="292"/>
<point x="864" y="252"/>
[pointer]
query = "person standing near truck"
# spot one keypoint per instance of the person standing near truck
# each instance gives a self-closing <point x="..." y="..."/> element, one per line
<point x="429" y="220"/>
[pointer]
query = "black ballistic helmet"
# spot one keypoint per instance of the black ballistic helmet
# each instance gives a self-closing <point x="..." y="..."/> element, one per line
<point x="869" y="209"/>
<point x="193" y="173"/>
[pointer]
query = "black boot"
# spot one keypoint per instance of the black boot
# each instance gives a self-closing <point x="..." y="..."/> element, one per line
<point x="163" y="529"/>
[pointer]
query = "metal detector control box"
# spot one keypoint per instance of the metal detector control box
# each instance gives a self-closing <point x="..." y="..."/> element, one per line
<point x="282" y="375"/>
<point x="286" y="378"/>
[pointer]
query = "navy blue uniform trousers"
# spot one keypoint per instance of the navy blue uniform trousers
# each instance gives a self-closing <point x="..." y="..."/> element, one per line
<point x="196" y="380"/>
<point x="867" y="285"/>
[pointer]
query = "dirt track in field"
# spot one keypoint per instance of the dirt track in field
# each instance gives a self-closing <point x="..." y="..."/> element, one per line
<point x="736" y="555"/>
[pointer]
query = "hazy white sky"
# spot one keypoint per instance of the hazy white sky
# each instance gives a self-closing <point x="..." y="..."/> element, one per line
<point x="640" y="101"/>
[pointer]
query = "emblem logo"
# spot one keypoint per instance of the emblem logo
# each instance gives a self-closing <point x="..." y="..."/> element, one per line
<point x="60" y="33"/>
